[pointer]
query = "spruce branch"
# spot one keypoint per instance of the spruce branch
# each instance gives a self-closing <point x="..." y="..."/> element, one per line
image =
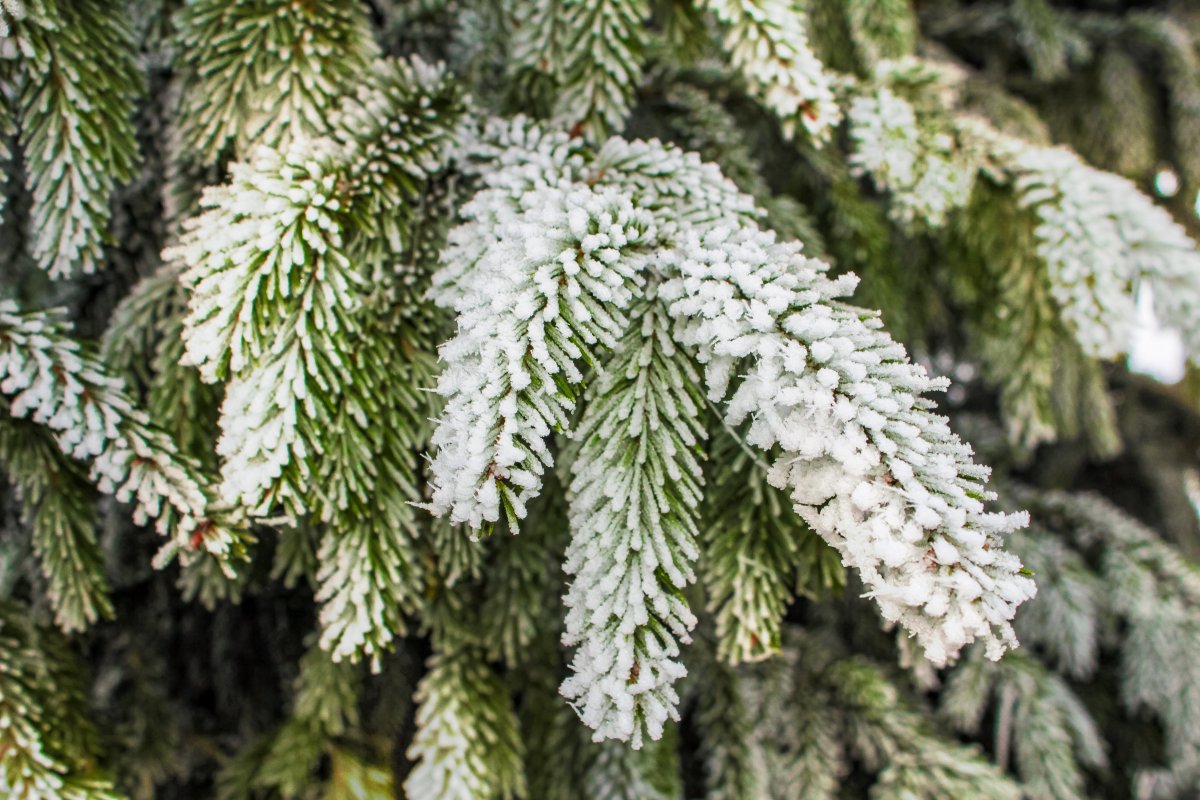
<point x="903" y="139"/>
<point x="1155" y="593"/>
<point x="57" y="504"/>
<point x="366" y="576"/>
<point x="47" y="744"/>
<point x="512" y="367"/>
<point x="8" y="129"/>
<point x="881" y="30"/>
<point x="524" y="581"/>
<point x="1102" y="241"/>
<point x="144" y="343"/>
<point x="818" y="708"/>
<point x="306" y="56"/>
<point x="602" y="44"/>
<point x="1067" y="621"/>
<point x="767" y="42"/>
<point x="634" y="502"/>
<point x="291" y="297"/>
<point x="868" y="465"/>
<point x="537" y="53"/>
<point x="1053" y="735"/>
<point x="279" y="272"/>
<point x="556" y="749"/>
<point x="50" y="379"/>
<point x="76" y="82"/>
<point x="735" y="766"/>
<point x="756" y="555"/>
<point x="287" y="760"/>
<point x="1017" y="329"/>
<point x="617" y="772"/>
<point x="703" y="125"/>
<point x="467" y="745"/>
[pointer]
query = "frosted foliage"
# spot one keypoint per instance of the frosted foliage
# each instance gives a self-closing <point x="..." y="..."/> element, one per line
<point x="33" y="765"/>
<point x="278" y="268"/>
<point x="601" y="63"/>
<point x="1101" y="238"/>
<point x="305" y="57"/>
<point x="869" y="466"/>
<point x="633" y="505"/>
<point x="618" y="773"/>
<point x="49" y="380"/>
<point x="767" y="42"/>
<point x="71" y="78"/>
<point x="925" y="173"/>
<point x="555" y="251"/>
<point x="466" y="746"/>
<point x="270" y="285"/>
<point x="679" y="186"/>
<point x="550" y="272"/>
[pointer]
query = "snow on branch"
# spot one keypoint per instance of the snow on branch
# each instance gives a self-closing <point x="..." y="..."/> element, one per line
<point x="634" y="503"/>
<point x="47" y="377"/>
<point x="767" y="42"/>
<point x="869" y="464"/>
<point x="290" y="274"/>
<point x="279" y="268"/>
<point x="550" y="274"/>
<point x="1101" y="240"/>
<point x="74" y="80"/>
<point x="556" y="251"/>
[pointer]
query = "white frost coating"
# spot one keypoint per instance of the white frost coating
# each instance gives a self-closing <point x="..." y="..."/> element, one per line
<point x="868" y="465"/>
<point x="677" y="186"/>
<point x="633" y="508"/>
<point x="466" y="746"/>
<point x="767" y="42"/>
<point x="277" y="273"/>
<point x="49" y="380"/>
<point x="924" y="171"/>
<point x="1100" y="238"/>
<point x="549" y="274"/>
<point x="270" y="289"/>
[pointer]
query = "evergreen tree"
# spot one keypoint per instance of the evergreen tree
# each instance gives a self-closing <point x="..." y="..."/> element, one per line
<point x="599" y="398"/>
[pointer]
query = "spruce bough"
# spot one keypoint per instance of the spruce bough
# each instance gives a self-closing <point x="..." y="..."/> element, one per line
<point x="530" y="453"/>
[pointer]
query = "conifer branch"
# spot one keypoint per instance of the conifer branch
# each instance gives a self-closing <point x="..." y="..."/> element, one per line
<point x="57" y="504"/>
<point x="1155" y="593"/>
<point x="1053" y="734"/>
<point x="8" y="129"/>
<point x="617" y="772"/>
<point x="467" y="746"/>
<point x="634" y="502"/>
<point x="47" y="744"/>
<point x="756" y="556"/>
<point x="306" y="56"/>
<point x="1102" y="240"/>
<point x="767" y="41"/>
<point x="50" y="379"/>
<point x="735" y="766"/>
<point x="601" y="66"/>
<point x="921" y="158"/>
<point x="287" y="760"/>
<point x="818" y="708"/>
<point x="76" y="82"/>
<point x="868" y="465"/>
<point x="279" y="272"/>
<point x="538" y="279"/>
